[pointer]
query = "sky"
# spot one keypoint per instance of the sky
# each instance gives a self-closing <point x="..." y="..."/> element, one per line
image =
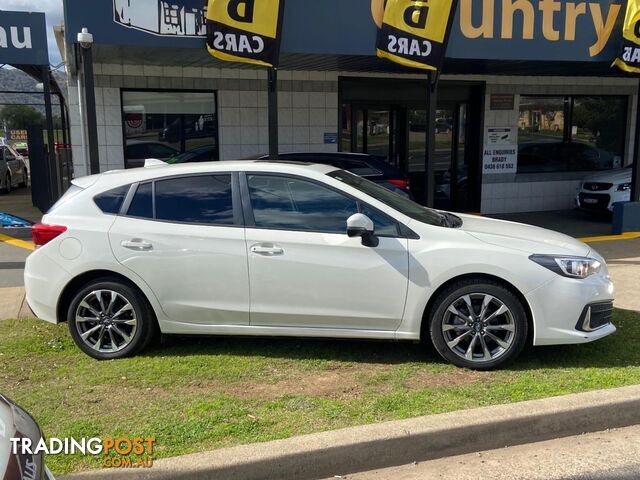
<point x="53" y="11"/>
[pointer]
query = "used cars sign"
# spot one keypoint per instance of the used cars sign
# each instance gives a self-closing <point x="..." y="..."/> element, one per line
<point x="245" y="31"/>
<point x="629" y="58"/>
<point x="413" y="32"/>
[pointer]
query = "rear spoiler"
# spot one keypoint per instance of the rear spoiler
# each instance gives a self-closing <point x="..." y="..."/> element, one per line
<point x="154" y="162"/>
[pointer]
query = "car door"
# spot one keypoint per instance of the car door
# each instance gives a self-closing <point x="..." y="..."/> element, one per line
<point x="13" y="164"/>
<point x="305" y="271"/>
<point x="184" y="237"/>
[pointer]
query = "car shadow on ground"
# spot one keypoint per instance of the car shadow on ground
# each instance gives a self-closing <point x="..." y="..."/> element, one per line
<point x="614" y="351"/>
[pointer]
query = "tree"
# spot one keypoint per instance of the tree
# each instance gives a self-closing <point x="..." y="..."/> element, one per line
<point x="19" y="117"/>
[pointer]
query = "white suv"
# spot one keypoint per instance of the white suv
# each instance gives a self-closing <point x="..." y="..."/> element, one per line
<point x="600" y="191"/>
<point x="277" y="248"/>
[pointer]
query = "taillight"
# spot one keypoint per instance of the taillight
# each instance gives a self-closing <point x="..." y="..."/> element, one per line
<point x="404" y="184"/>
<point x="43" y="234"/>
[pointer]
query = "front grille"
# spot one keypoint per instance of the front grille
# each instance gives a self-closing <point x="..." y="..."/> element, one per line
<point x="596" y="201"/>
<point x="595" y="316"/>
<point x="596" y="186"/>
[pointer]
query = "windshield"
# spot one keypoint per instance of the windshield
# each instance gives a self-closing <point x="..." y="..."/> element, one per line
<point x="393" y="200"/>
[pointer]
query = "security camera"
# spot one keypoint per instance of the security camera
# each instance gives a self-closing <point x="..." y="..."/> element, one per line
<point x="85" y="39"/>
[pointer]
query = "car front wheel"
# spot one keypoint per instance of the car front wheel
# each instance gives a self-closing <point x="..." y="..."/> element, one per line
<point x="478" y="324"/>
<point x="109" y="319"/>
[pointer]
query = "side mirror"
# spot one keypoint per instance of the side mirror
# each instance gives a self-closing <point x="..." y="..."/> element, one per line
<point x="359" y="225"/>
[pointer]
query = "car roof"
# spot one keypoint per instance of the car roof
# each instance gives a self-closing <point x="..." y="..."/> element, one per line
<point x="355" y="155"/>
<point x="143" y="142"/>
<point x="122" y="177"/>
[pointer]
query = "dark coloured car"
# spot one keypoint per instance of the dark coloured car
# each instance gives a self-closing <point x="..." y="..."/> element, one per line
<point x="16" y="423"/>
<point x="369" y="166"/>
<point x="206" y="153"/>
<point x="137" y="151"/>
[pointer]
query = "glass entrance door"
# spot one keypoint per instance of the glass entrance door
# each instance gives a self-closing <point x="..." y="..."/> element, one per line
<point x="392" y="126"/>
<point x="376" y="132"/>
<point x="451" y="159"/>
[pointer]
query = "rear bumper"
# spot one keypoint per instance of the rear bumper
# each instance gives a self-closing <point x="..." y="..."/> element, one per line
<point x="44" y="281"/>
<point x="558" y="306"/>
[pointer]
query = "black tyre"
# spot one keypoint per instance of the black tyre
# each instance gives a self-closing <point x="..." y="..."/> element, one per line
<point x="110" y="319"/>
<point x="7" y="184"/>
<point x="478" y="324"/>
<point x="23" y="182"/>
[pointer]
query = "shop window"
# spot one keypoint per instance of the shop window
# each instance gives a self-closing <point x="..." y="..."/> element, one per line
<point x="598" y="132"/>
<point x="562" y="134"/>
<point x="167" y="124"/>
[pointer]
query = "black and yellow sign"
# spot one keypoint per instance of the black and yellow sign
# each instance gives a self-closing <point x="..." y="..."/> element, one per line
<point x="629" y="58"/>
<point x="245" y="30"/>
<point x="414" y="32"/>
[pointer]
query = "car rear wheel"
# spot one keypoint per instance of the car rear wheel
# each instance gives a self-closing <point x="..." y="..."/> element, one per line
<point x="23" y="182"/>
<point x="478" y="324"/>
<point x="7" y="184"/>
<point x="109" y="319"/>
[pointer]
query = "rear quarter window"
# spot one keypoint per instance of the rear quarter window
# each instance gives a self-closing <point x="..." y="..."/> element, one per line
<point x="111" y="201"/>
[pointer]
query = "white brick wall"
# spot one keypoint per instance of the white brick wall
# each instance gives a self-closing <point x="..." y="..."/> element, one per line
<point x="303" y="117"/>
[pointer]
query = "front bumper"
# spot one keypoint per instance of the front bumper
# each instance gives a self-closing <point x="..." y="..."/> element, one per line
<point x="559" y="305"/>
<point x="601" y="201"/>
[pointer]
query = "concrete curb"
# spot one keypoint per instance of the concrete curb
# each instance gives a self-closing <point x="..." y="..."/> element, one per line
<point x="388" y="444"/>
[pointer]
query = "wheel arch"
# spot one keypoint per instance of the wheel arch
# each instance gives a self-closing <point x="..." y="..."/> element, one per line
<point x="426" y="316"/>
<point x="82" y="279"/>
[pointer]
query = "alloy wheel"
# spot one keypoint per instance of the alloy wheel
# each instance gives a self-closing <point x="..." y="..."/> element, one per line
<point x="106" y="321"/>
<point x="478" y="327"/>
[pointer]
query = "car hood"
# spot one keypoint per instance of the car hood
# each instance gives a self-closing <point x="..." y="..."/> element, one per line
<point x="613" y="176"/>
<point x="518" y="236"/>
<point x="16" y="422"/>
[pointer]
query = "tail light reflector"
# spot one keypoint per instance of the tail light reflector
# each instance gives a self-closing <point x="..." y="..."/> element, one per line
<point x="400" y="183"/>
<point x="43" y="234"/>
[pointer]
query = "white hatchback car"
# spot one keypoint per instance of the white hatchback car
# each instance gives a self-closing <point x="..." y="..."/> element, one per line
<point x="290" y="249"/>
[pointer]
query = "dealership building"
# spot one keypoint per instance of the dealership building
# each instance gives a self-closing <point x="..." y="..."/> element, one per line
<point x="526" y="107"/>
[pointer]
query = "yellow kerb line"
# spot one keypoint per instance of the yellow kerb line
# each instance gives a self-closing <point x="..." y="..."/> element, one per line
<point x="16" y="242"/>
<point x="609" y="238"/>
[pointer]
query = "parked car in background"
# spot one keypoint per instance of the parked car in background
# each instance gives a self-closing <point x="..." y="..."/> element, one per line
<point x="22" y="148"/>
<point x="443" y="125"/>
<point x="15" y="422"/>
<point x="297" y="249"/>
<point x="13" y="169"/>
<point x="137" y="151"/>
<point x="368" y="166"/>
<point x="598" y="192"/>
<point x="206" y="153"/>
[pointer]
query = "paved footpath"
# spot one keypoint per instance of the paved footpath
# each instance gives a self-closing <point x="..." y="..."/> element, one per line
<point x="609" y="455"/>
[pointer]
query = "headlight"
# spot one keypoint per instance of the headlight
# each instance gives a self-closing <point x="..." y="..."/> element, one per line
<point x="623" y="187"/>
<point x="573" y="267"/>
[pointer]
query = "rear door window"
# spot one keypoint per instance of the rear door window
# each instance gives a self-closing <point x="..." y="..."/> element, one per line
<point x="203" y="199"/>
<point x="142" y="202"/>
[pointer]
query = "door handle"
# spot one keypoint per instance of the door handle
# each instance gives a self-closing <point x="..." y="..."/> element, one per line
<point x="266" y="249"/>
<point x="137" y="244"/>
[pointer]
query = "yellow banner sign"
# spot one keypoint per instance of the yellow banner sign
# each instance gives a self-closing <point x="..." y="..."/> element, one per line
<point x="245" y="30"/>
<point x="629" y="58"/>
<point x="414" y="32"/>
